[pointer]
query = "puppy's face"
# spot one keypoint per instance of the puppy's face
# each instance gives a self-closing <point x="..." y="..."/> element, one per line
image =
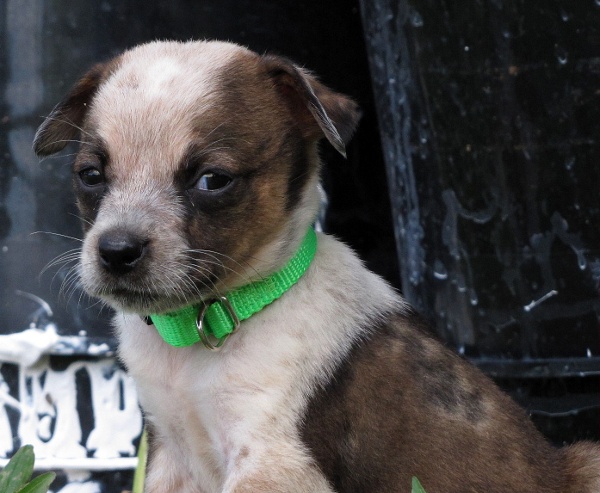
<point x="197" y="168"/>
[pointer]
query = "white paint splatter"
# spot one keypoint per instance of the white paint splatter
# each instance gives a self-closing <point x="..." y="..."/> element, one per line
<point x="535" y="303"/>
<point x="48" y="393"/>
<point x="97" y="349"/>
<point x="49" y="417"/>
<point x="91" y="487"/>
<point x="27" y="347"/>
<point x="6" y="445"/>
<point x="118" y="419"/>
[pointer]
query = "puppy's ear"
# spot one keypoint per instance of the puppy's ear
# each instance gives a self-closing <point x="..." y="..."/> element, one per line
<point x="317" y="110"/>
<point x="64" y="123"/>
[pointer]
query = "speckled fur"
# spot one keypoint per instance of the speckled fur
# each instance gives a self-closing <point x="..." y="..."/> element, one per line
<point x="332" y="388"/>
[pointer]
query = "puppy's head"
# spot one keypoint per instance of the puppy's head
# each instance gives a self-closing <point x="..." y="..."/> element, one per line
<point x="197" y="168"/>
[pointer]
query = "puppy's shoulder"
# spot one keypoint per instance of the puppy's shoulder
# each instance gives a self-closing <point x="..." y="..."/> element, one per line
<point x="358" y="414"/>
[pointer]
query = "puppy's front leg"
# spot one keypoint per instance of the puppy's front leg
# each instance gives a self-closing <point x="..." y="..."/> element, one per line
<point x="281" y="480"/>
<point x="165" y="475"/>
<point x="277" y="474"/>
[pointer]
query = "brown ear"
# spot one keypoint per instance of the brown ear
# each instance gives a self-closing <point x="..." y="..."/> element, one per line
<point x="64" y="123"/>
<point x="318" y="110"/>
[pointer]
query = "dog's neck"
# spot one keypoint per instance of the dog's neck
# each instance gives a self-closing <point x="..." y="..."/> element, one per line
<point x="215" y="319"/>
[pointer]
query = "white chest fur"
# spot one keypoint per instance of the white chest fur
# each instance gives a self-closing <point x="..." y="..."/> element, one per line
<point x="221" y="415"/>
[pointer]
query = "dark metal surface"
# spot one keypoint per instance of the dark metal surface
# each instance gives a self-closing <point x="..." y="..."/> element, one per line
<point x="490" y="119"/>
<point x="490" y="123"/>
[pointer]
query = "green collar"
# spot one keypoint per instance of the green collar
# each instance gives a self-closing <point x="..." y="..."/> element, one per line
<point x="214" y="319"/>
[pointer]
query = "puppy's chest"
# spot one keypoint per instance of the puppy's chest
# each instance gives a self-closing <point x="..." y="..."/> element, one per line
<point x="215" y="407"/>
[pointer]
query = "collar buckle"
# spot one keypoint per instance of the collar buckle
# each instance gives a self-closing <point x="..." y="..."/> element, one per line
<point x="210" y="341"/>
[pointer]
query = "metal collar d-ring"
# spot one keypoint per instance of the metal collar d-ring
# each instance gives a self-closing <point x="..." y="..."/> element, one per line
<point x="204" y="336"/>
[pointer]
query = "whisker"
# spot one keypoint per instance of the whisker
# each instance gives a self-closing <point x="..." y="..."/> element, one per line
<point x="58" y="156"/>
<point x="69" y="122"/>
<point x="64" y="257"/>
<point x="216" y="128"/>
<point x="69" y="286"/>
<point x="66" y="141"/>
<point x="83" y="219"/>
<point x="245" y="266"/>
<point x="57" y="234"/>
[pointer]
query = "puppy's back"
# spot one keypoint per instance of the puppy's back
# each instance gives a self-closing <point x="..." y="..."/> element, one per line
<point x="402" y="405"/>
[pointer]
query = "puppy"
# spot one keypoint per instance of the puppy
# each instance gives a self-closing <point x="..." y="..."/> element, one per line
<point x="197" y="176"/>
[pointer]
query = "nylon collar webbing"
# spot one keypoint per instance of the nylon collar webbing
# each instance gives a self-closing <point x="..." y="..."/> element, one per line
<point x="213" y="320"/>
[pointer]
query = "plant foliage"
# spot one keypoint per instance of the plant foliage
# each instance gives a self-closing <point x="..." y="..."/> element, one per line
<point x="16" y="476"/>
<point x="417" y="487"/>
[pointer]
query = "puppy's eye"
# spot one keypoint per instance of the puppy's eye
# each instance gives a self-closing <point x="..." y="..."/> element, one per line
<point x="212" y="181"/>
<point x="91" y="176"/>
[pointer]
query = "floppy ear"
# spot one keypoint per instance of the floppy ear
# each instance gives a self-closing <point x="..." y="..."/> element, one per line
<point x="64" y="123"/>
<point x="317" y="110"/>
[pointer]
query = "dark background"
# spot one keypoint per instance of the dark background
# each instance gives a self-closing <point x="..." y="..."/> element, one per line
<point x="488" y="114"/>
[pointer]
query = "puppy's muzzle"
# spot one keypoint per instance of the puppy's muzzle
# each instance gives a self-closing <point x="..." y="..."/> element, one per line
<point x="120" y="251"/>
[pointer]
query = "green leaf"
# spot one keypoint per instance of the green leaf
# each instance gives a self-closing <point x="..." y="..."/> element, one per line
<point x="18" y="470"/>
<point x="140" y="470"/>
<point x="39" y="484"/>
<point x="416" y="486"/>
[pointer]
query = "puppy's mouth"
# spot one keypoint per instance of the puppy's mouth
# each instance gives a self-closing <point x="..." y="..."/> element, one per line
<point x="137" y="272"/>
<point x="151" y="288"/>
<point x="149" y="301"/>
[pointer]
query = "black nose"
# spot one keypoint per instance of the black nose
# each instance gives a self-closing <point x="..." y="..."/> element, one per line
<point x="120" y="251"/>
